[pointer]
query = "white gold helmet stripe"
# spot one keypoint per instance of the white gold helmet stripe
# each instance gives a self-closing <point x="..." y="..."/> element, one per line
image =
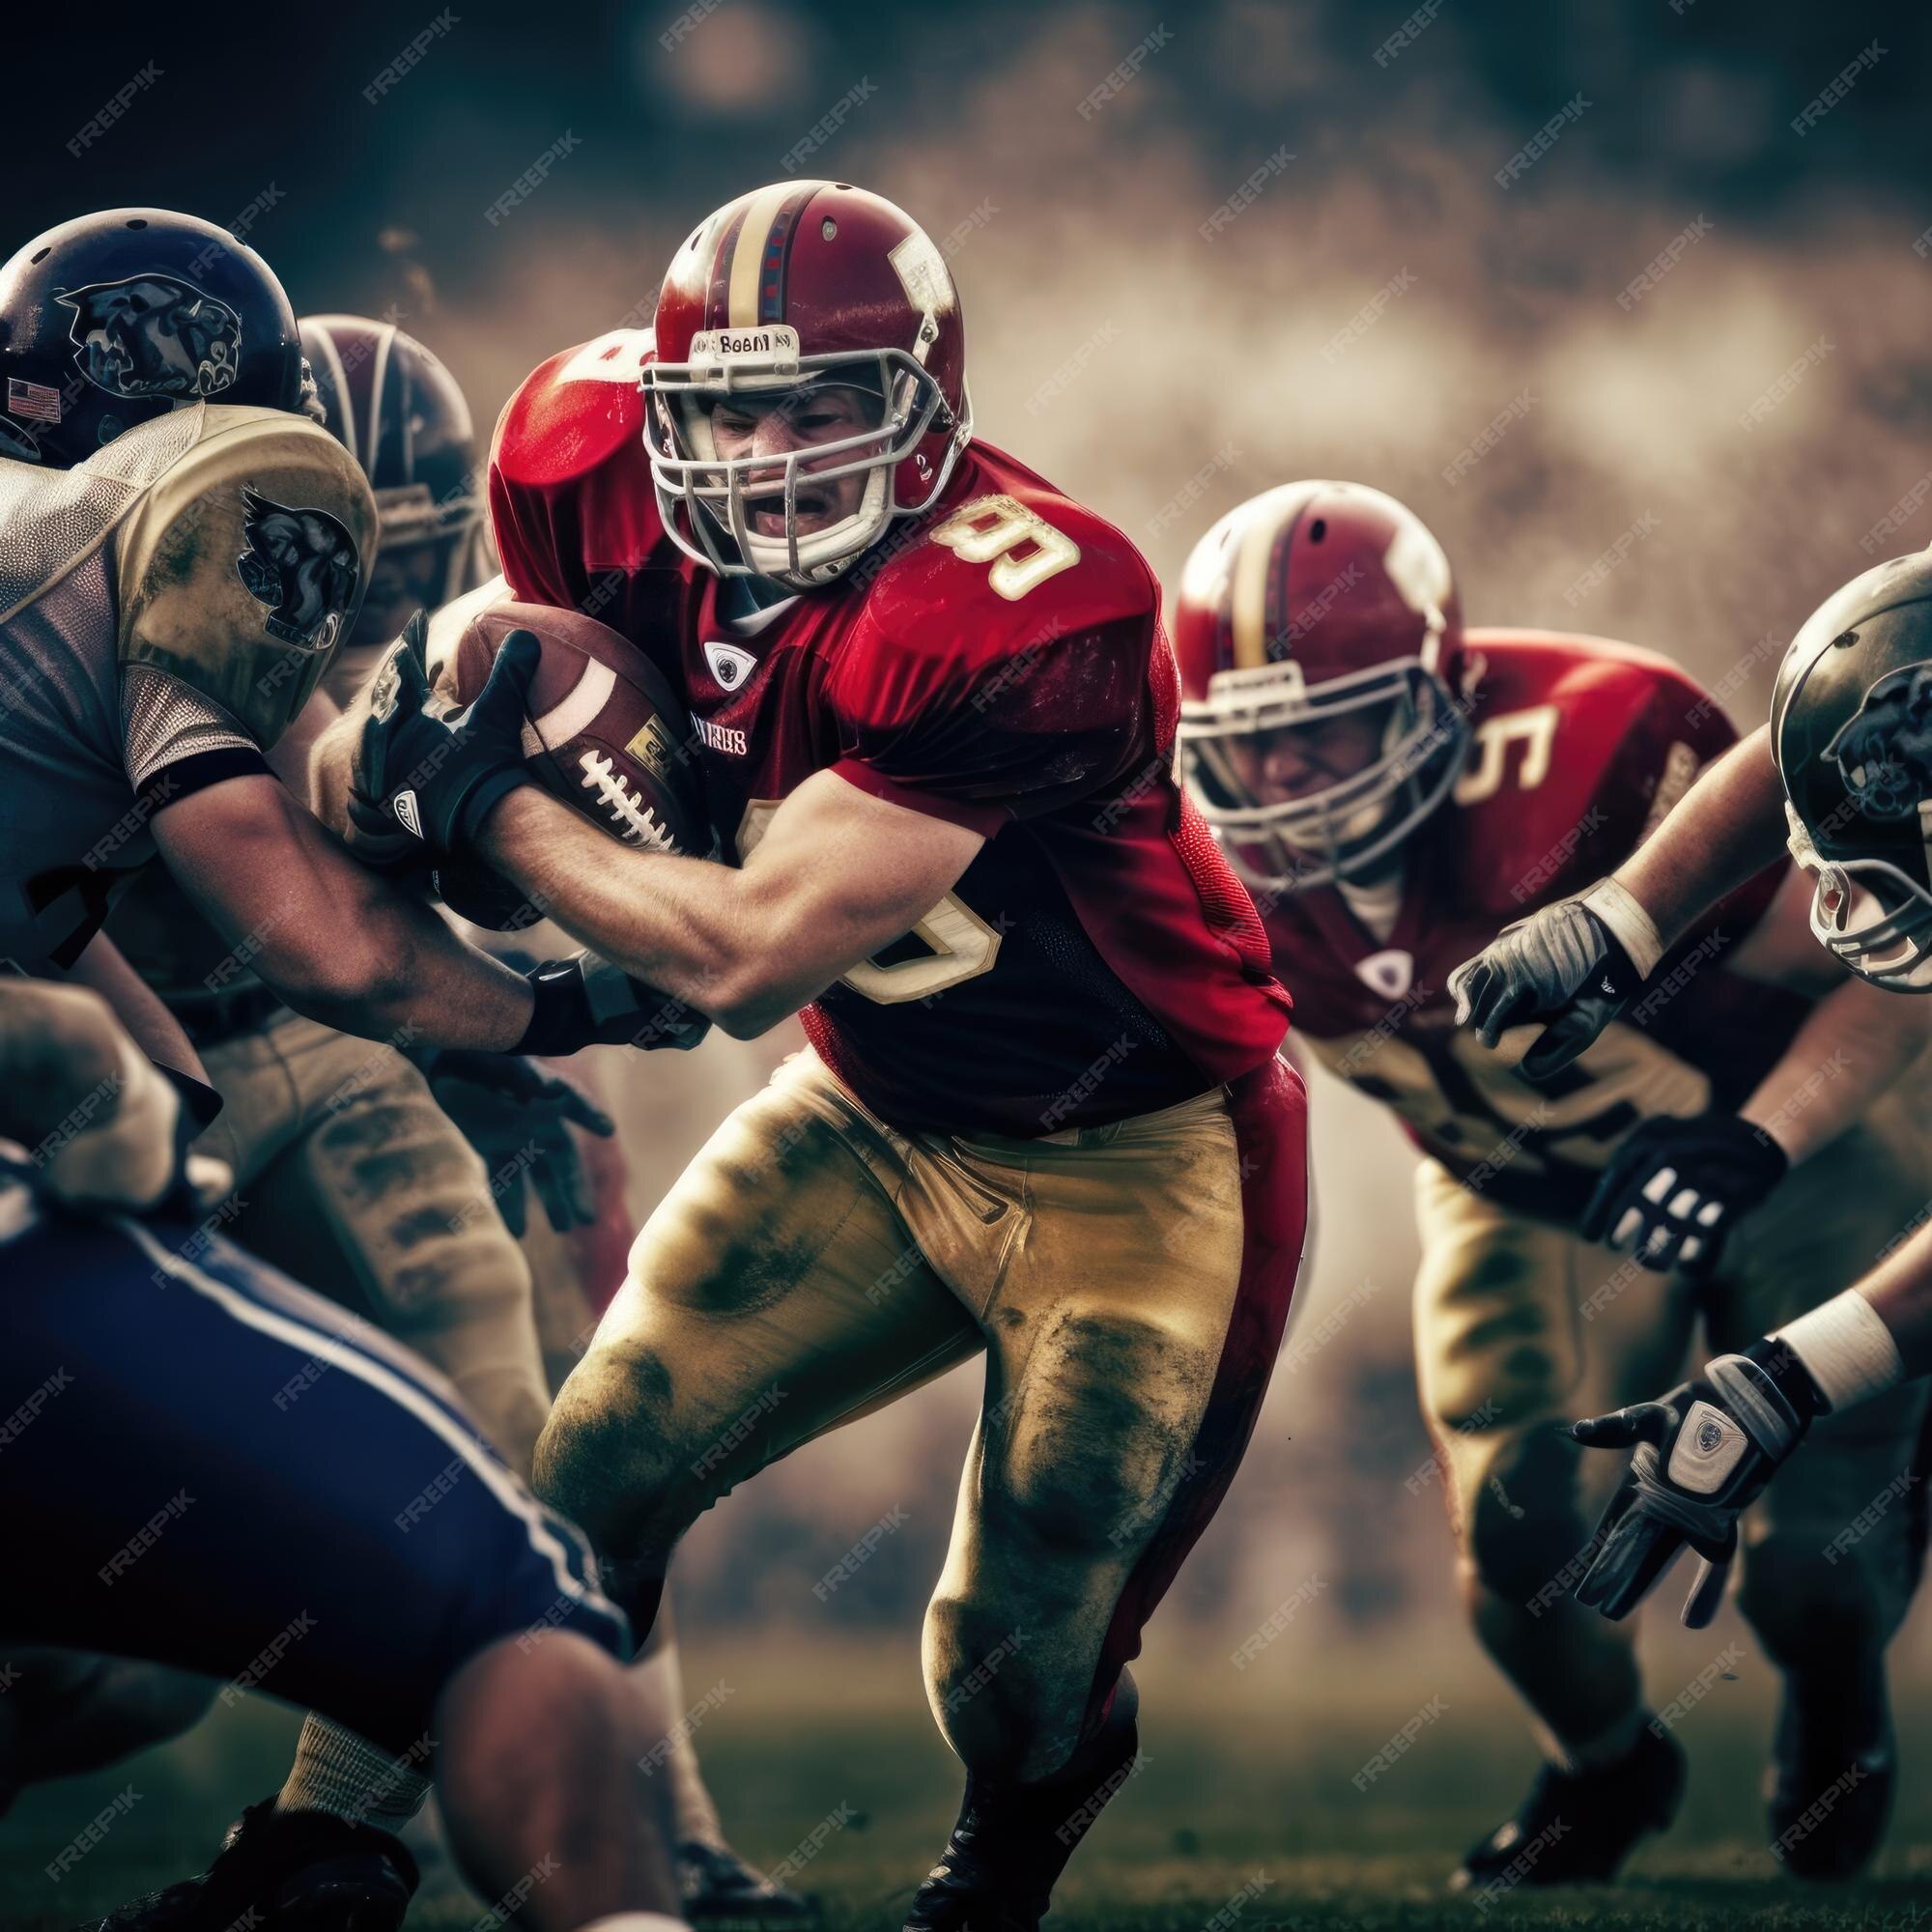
<point x="1248" y="592"/>
<point x="748" y="253"/>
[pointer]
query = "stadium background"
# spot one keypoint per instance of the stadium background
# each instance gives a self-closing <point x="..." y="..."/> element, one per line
<point x="1688" y="466"/>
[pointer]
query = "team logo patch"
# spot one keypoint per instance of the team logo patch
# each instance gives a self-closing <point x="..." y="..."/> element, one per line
<point x="1710" y="1437"/>
<point x="1884" y="751"/>
<point x="154" y="335"/>
<point x="1389" y="974"/>
<point x="302" y="565"/>
<point x="729" y="665"/>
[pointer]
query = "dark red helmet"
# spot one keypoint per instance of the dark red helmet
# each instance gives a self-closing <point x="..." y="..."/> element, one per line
<point x="798" y="284"/>
<point x="1308" y="604"/>
<point x="401" y="415"/>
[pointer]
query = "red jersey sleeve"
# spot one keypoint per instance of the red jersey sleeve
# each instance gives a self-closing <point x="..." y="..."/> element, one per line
<point x="980" y="709"/>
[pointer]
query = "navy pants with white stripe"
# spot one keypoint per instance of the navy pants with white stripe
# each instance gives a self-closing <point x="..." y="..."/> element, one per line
<point x="205" y="1466"/>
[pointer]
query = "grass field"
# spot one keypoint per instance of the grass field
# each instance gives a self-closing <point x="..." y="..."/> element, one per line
<point x="1245" y="1816"/>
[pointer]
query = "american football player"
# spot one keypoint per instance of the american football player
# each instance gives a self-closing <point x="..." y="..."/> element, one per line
<point x="1843" y="770"/>
<point x="348" y="1156"/>
<point x="184" y="553"/>
<point x="1395" y="790"/>
<point x="1041" y="1113"/>
<point x="206" y="1462"/>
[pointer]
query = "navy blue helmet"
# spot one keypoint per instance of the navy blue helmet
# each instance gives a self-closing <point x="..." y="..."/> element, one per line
<point x="112" y="319"/>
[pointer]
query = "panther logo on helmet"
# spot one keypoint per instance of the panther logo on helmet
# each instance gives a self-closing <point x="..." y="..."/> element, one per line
<point x="154" y="335"/>
<point x="302" y="565"/>
<point x="1884" y="751"/>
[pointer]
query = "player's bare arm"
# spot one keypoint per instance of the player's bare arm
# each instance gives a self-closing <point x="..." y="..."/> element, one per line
<point x="336" y="940"/>
<point x="1855" y="1045"/>
<point x="1729" y="825"/>
<point x="837" y="874"/>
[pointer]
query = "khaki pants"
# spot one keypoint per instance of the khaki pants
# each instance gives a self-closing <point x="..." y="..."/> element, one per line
<point x="358" y="1184"/>
<point x="1128" y="1283"/>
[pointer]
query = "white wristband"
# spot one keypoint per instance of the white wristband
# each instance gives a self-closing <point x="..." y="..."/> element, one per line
<point x="1846" y="1347"/>
<point x="1629" y="926"/>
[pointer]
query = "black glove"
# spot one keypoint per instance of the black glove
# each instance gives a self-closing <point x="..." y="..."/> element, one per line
<point x="1675" y="1188"/>
<point x="1561" y="965"/>
<point x="519" y="1118"/>
<point x="1703" y="1454"/>
<point x="586" y="1001"/>
<point x="430" y="778"/>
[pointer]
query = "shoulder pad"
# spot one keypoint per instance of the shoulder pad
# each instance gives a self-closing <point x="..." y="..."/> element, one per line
<point x="1003" y="571"/>
<point x="1526" y="666"/>
<point x="241" y="566"/>
<point x="1581" y="746"/>
<point x="571" y="414"/>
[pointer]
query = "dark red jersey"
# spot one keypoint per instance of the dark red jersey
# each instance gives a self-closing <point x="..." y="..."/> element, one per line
<point x="1580" y="748"/>
<point x="999" y="664"/>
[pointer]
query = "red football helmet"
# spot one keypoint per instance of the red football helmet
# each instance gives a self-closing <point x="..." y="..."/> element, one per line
<point x="796" y="284"/>
<point x="1312" y="603"/>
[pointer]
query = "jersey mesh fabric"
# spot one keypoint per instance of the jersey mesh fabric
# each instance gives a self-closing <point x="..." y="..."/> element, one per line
<point x="164" y="720"/>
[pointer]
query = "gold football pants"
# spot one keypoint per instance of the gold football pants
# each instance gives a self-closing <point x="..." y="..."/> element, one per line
<point x="356" y="1183"/>
<point x="1128" y="1284"/>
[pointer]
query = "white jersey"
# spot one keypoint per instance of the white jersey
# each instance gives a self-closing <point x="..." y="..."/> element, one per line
<point x="165" y="607"/>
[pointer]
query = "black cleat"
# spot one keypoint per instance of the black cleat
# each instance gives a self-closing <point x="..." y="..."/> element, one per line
<point x="1012" y="1841"/>
<point x="723" y="1893"/>
<point x="1831" y="1779"/>
<point x="1577" y="1828"/>
<point x="284" y="1871"/>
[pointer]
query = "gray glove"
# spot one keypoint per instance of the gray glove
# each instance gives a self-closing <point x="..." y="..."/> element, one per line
<point x="1561" y="965"/>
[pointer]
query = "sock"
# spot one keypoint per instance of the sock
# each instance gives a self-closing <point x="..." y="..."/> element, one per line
<point x="661" y="1677"/>
<point x="335" y="1772"/>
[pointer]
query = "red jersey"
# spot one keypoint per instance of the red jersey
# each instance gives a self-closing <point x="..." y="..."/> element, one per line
<point x="999" y="664"/>
<point x="1580" y="746"/>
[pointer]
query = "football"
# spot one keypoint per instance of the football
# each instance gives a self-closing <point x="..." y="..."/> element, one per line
<point x="604" y="734"/>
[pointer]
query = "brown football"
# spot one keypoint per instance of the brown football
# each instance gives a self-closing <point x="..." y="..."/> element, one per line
<point x="604" y="734"/>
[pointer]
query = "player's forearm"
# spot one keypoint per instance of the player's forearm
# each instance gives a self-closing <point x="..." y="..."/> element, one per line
<point x="1729" y="825"/>
<point x="1900" y="1290"/>
<point x="410" y="978"/>
<point x="1857" y="1042"/>
<point x="693" y="928"/>
<point x="338" y="942"/>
